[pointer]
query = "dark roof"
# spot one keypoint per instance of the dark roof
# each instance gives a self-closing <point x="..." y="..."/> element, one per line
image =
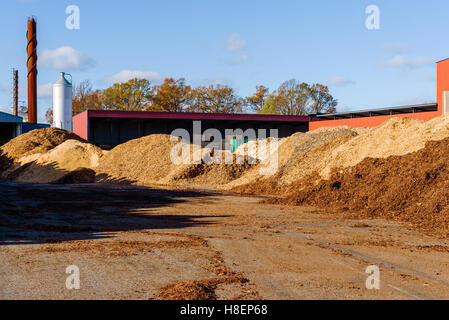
<point x="380" y="112"/>
<point x="193" y="116"/>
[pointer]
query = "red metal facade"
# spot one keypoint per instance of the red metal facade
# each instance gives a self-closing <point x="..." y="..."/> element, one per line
<point x="370" y="121"/>
<point x="442" y="82"/>
<point x="192" y="116"/>
<point x="81" y="121"/>
<point x="81" y="125"/>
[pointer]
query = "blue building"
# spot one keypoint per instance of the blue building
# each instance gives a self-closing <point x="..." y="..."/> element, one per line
<point x="12" y="126"/>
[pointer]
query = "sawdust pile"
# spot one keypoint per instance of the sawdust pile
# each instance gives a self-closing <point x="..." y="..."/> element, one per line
<point x="49" y="156"/>
<point x="46" y="155"/>
<point x="315" y="155"/>
<point x="36" y="141"/>
<point x="205" y="174"/>
<point x="145" y="160"/>
<point x="148" y="161"/>
<point x="397" y="136"/>
<point x="298" y="156"/>
<point x="412" y="188"/>
<point x="255" y="149"/>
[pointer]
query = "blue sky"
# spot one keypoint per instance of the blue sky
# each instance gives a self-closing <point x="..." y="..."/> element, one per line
<point x="239" y="43"/>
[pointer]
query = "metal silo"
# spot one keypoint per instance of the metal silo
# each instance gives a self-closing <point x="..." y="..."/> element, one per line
<point x="62" y="103"/>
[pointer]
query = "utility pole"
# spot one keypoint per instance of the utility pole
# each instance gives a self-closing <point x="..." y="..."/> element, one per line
<point x="16" y="92"/>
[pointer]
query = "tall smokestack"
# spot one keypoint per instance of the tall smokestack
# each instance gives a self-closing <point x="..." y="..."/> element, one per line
<point x="16" y="92"/>
<point x="32" y="70"/>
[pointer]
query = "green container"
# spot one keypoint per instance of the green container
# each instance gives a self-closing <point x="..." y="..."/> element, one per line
<point x="236" y="143"/>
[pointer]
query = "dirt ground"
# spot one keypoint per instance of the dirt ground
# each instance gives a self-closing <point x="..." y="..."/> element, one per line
<point x="140" y="243"/>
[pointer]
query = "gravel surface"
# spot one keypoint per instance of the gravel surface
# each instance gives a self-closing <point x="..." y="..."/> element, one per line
<point x="141" y="243"/>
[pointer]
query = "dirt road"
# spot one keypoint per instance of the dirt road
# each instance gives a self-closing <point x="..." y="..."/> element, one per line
<point x="140" y="243"/>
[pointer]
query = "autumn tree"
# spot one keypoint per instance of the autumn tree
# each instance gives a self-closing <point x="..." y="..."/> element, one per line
<point x="321" y="100"/>
<point x="133" y="95"/>
<point x="296" y="98"/>
<point x="257" y="101"/>
<point x="49" y="116"/>
<point x="172" y="96"/>
<point x="85" y="98"/>
<point x="215" y="99"/>
<point x="290" y="99"/>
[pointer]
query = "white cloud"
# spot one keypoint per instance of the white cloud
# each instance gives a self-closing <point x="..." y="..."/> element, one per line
<point x="235" y="42"/>
<point x="396" y="47"/>
<point x="126" y="75"/>
<point x="237" y="60"/>
<point x="66" y="59"/>
<point x="407" y="63"/>
<point x="45" y="90"/>
<point x="341" y="82"/>
<point x="214" y="82"/>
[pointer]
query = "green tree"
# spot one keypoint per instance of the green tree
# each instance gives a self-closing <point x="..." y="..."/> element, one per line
<point x="321" y="100"/>
<point x="299" y="98"/>
<point x="133" y="95"/>
<point x="290" y="99"/>
<point x="270" y="105"/>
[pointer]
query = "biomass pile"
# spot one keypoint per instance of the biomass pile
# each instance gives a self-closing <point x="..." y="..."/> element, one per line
<point x="49" y="156"/>
<point x="259" y="150"/>
<point x="397" y="136"/>
<point x="36" y="141"/>
<point x="148" y="161"/>
<point x="145" y="160"/>
<point x="315" y="155"/>
<point x="298" y="157"/>
<point x="412" y="188"/>
<point x="213" y="175"/>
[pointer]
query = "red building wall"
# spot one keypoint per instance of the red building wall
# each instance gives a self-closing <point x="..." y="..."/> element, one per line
<point x="371" y="121"/>
<point x="442" y="85"/>
<point x="81" y="125"/>
<point x="442" y="82"/>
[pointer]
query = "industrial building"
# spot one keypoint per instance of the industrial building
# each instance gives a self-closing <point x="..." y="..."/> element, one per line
<point x="110" y="128"/>
<point x="12" y="126"/>
<point x="9" y="127"/>
<point x="373" y="118"/>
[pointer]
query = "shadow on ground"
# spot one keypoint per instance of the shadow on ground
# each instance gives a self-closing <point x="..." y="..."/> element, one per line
<point x="33" y="213"/>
